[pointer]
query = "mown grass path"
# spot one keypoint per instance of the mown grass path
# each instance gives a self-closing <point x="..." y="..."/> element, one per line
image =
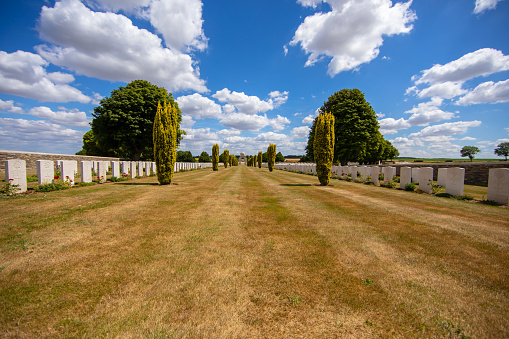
<point x="245" y="253"/>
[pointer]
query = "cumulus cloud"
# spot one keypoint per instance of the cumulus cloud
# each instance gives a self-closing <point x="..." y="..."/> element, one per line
<point x="108" y="46"/>
<point x="73" y="117"/>
<point x="8" y="106"/>
<point x="484" y="5"/>
<point x="428" y="112"/>
<point x="447" y="80"/>
<point x="350" y="34"/>
<point x="249" y="104"/>
<point x="392" y="126"/>
<point x="244" y="122"/>
<point x="447" y="129"/>
<point x="278" y="98"/>
<point x="278" y="123"/>
<point x="487" y="92"/>
<point x="300" y="132"/>
<point x="24" y="74"/>
<point x="199" y="107"/>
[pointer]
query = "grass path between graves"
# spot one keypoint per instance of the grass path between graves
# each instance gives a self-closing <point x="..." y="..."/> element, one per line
<point x="245" y="253"/>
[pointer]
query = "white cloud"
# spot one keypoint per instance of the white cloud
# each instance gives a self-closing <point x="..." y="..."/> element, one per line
<point x="447" y="129"/>
<point x="352" y="32"/>
<point x="128" y="6"/>
<point x="428" y="112"/>
<point x="199" y="107"/>
<point x="487" y="92"/>
<point x="187" y="122"/>
<point x="468" y="139"/>
<point x="180" y="23"/>
<point x="108" y="46"/>
<point x="446" y="90"/>
<point x="74" y="117"/>
<point x="278" y="123"/>
<point x="24" y="74"/>
<point x="249" y="104"/>
<point x="9" y="106"/>
<point x="309" y="119"/>
<point x="300" y="132"/>
<point x="244" y="122"/>
<point x="391" y="125"/>
<point x="483" y="5"/>
<point x="229" y="132"/>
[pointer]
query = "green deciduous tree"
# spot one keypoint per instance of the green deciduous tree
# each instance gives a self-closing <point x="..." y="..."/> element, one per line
<point x="469" y="151"/>
<point x="226" y="158"/>
<point x="165" y="130"/>
<point x="501" y="150"/>
<point x="259" y="158"/>
<point x="271" y="156"/>
<point x="185" y="156"/>
<point x="204" y="157"/>
<point x="215" y="157"/>
<point x="323" y="146"/>
<point x="280" y="157"/>
<point x="123" y="123"/>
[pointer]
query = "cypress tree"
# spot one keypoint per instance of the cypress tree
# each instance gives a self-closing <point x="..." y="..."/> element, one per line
<point x="164" y="136"/>
<point x="271" y="156"/>
<point x="323" y="146"/>
<point x="215" y="157"/>
<point x="226" y="158"/>
<point x="260" y="157"/>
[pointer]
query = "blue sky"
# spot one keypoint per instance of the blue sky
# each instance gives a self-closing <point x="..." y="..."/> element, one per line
<point x="250" y="73"/>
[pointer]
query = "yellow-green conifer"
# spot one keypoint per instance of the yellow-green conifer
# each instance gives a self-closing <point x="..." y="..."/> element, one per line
<point x="271" y="156"/>
<point x="215" y="157"/>
<point x="165" y="130"/>
<point x="323" y="146"/>
<point x="226" y="158"/>
<point x="260" y="158"/>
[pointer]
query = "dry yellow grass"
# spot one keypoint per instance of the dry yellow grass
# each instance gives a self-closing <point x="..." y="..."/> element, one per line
<point x="244" y="253"/>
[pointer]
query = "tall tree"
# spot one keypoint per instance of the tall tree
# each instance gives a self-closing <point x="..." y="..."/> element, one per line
<point x="271" y="156"/>
<point x="469" y="151"/>
<point x="501" y="150"/>
<point x="280" y="157"/>
<point x="357" y="136"/>
<point x="204" y="157"/>
<point x="165" y="141"/>
<point x="185" y="156"/>
<point x="323" y="146"/>
<point x="123" y="123"/>
<point x="259" y="158"/>
<point x="226" y="158"/>
<point x="215" y="157"/>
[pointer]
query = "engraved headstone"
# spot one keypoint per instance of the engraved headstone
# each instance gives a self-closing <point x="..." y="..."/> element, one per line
<point x="405" y="176"/>
<point x="498" y="185"/>
<point x="455" y="181"/>
<point x="86" y="171"/>
<point x="68" y="168"/>
<point x="425" y="178"/>
<point x="45" y="172"/>
<point x="16" y="174"/>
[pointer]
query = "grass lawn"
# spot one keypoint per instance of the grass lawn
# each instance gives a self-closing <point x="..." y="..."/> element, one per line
<point x="245" y="253"/>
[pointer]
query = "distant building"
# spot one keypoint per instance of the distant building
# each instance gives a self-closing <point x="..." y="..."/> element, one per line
<point x="243" y="159"/>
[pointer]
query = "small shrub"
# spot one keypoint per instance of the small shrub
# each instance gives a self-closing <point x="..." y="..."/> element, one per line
<point x="381" y="177"/>
<point x="10" y="188"/>
<point x="388" y="184"/>
<point x="56" y="185"/>
<point x="396" y="179"/>
<point x="32" y="178"/>
<point x="115" y="179"/>
<point x="410" y="187"/>
<point x="465" y="197"/>
<point x="444" y="195"/>
<point x="83" y="184"/>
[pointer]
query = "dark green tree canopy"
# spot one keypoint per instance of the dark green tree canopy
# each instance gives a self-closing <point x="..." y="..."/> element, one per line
<point x="185" y="156"/>
<point x="280" y="157"/>
<point x="469" y="151"/>
<point x="502" y="149"/>
<point x="204" y="157"/>
<point x="123" y="122"/>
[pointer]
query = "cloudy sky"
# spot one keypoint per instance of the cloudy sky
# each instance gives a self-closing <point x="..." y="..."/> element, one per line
<point x="250" y="73"/>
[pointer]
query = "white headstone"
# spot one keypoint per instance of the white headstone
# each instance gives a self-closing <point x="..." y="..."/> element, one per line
<point x="388" y="173"/>
<point x="455" y="181"/>
<point x="442" y="177"/>
<point x="140" y="168"/>
<point x="125" y="167"/>
<point x="133" y="169"/>
<point x="45" y="172"/>
<point x="353" y="172"/>
<point x="102" y="168"/>
<point x="153" y="165"/>
<point x="147" y="169"/>
<point x="115" y="169"/>
<point x="425" y="178"/>
<point x="86" y="171"/>
<point x="498" y="185"/>
<point x="405" y="176"/>
<point x="16" y="173"/>
<point x="375" y="172"/>
<point x="67" y="170"/>
<point x="415" y="174"/>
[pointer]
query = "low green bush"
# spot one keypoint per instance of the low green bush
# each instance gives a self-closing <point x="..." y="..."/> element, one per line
<point x="32" y="178"/>
<point x="410" y="187"/>
<point x="465" y="197"/>
<point x="444" y="195"/>
<point x="83" y="184"/>
<point x="388" y="184"/>
<point x="56" y="185"/>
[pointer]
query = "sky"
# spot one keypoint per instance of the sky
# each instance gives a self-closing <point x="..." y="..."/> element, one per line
<point x="249" y="73"/>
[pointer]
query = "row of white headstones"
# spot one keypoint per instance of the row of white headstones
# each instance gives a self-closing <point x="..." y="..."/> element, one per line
<point x="452" y="178"/>
<point x="15" y="170"/>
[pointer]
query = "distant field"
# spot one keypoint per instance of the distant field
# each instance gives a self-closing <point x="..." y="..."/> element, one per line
<point x="245" y="253"/>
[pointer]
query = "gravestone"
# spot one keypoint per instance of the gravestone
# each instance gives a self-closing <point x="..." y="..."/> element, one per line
<point x="140" y="168"/>
<point x="16" y="174"/>
<point x="375" y="172"/>
<point x="133" y="169"/>
<point x="45" y="172"/>
<point x="153" y="166"/>
<point x="415" y="174"/>
<point x="405" y="176"/>
<point x="125" y="167"/>
<point x="388" y="173"/>
<point x="455" y="181"/>
<point x="425" y="178"/>
<point x="115" y="169"/>
<point x="67" y="170"/>
<point x="86" y="171"/>
<point x="498" y="185"/>
<point x="102" y="168"/>
<point x="147" y="169"/>
<point x="442" y="177"/>
<point x="353" y="172"/>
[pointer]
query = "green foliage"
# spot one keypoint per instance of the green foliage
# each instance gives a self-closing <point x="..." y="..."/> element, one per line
<point x="444" y="195"/>
<point x="10" y="188"/>
<point x="226" y="158"/>
<point x="260" y="158"/>
<point x="32" y="178"/>
<point x="502" y="150"/>
<point x="123" y="123"/>
<point x="323" y="146"/>
<point x="215" y="157"/>
<point x="271" y="156"/>
<point x="410" y="187"/>
<point x="56" y="185"/>
<point x="204" y="157"/>
<point x="388" y="184"/>
<point x="166" y="124"/>
<point x="469" y="151"/>
<point x="185" y="156"/>
<point x="280" y="157"/>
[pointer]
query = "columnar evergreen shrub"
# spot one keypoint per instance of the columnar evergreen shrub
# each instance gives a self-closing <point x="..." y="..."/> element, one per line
<point x="215" y="157"/>
<point x="271" y="156"/>
<point x="260" y="157"/>
<point x="165" y="131"/>
<point x="226" y="158"/>
<point x="323" y="146"/>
